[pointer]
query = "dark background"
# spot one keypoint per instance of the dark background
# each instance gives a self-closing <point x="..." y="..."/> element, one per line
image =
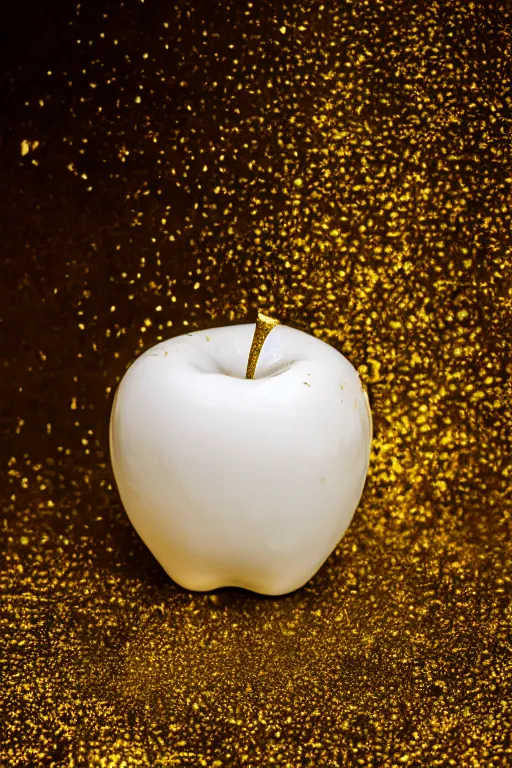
<point x="347" y="168"/>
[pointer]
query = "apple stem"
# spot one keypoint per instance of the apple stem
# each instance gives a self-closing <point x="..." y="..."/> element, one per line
<point x="264" y="325"/>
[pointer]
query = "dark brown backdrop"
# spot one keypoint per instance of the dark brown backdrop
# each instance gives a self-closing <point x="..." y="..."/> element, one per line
<point x="344" y="166"/>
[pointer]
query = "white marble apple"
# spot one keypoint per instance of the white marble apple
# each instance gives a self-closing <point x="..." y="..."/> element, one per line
<point x="241" y="482"/>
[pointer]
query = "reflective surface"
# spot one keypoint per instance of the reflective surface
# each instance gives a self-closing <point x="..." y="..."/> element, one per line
<point x="346" y="168"/>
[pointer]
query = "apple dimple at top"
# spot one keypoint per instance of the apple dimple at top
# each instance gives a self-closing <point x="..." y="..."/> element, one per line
<point x="242" y="482"/>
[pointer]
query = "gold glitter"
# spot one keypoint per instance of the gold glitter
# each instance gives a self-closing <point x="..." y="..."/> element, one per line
<point x="28" y="146"/>
<point x="345" y="167"/>
<point x="262" y="329"/>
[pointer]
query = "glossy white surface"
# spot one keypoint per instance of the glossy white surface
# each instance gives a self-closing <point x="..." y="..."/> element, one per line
<point x="238" y="482"/>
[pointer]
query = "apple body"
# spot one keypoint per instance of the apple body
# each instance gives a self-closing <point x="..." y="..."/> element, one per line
<point x="241" y="482"/>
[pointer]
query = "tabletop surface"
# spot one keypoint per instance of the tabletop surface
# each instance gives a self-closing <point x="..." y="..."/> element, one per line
<point x="345" y="167"/>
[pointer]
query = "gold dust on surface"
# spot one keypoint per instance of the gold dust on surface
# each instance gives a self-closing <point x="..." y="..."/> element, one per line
<point x="344" y="167"/>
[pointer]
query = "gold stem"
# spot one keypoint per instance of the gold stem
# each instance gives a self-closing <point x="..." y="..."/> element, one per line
<point x="264" y="325"/>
